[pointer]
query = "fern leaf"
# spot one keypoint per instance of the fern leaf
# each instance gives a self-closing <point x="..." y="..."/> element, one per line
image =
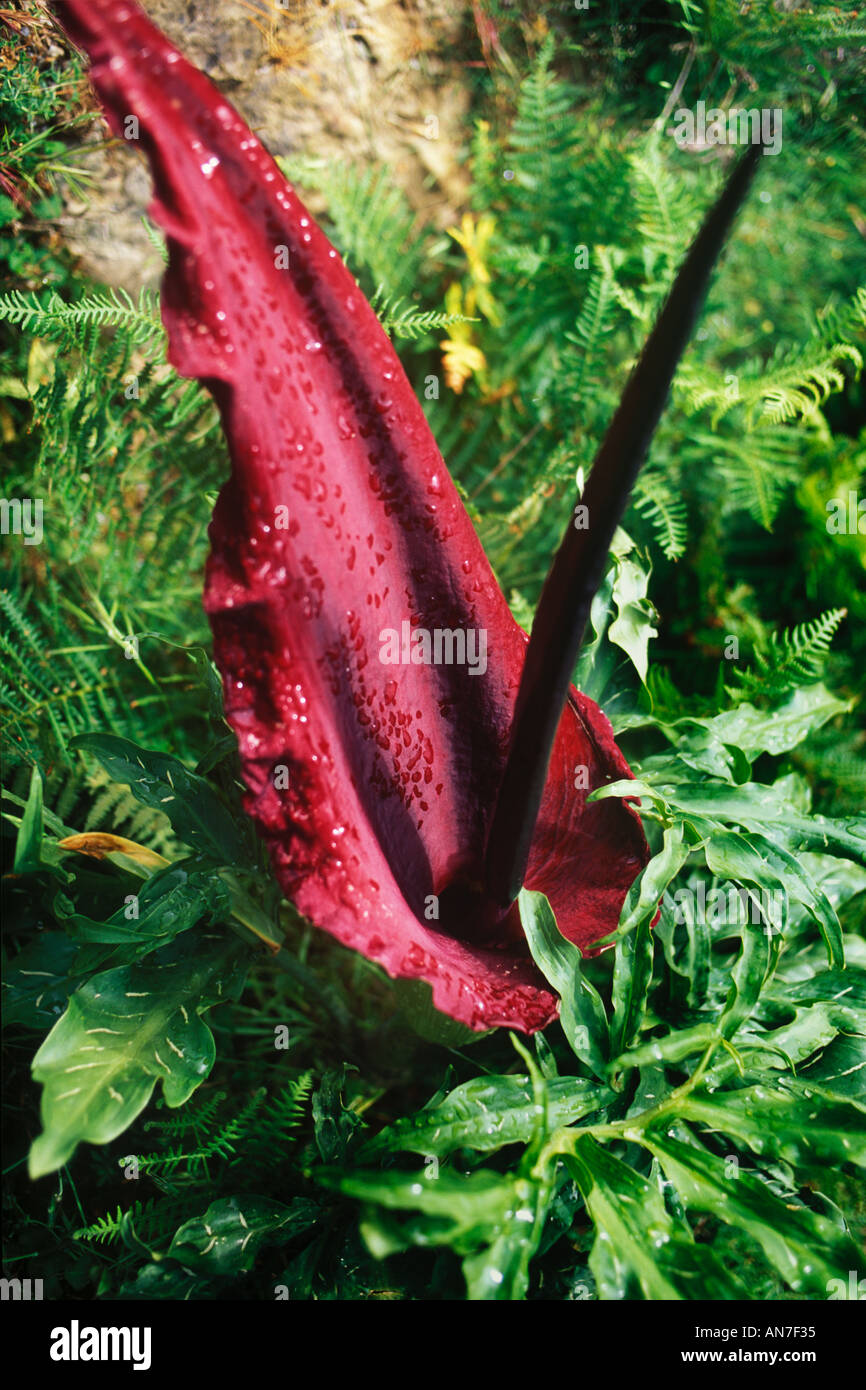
<point x="151" y="1220"/>
<point x="594" y="324"/>
<point x="156" y="239"/>
<point x="657" y="499"/>
<point x="52" y="318"/>
<point x="108" y="1229"/>
<point x="402" y="320"/>
<point x="374" y="225"/>
<point x="544" y="131"/>
<point x="791" y="658"/>
<point x="666" y="212"/>
<point x="793" y="384"/>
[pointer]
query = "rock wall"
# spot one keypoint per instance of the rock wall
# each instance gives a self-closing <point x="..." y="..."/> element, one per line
<point x="365" y="80"/>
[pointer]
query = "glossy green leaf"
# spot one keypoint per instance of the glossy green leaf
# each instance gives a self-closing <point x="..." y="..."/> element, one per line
<point x="806" y="1248"/>
<point x="234" y="1229"/>
<point x="640" y="1251"/>
<point x="633" y="626"/>
<point x="755" y="731"/>
<point x="335" y="1124"/>
<point x="753" y="859"/>
<point x="790" y="1119"/>
<point x="601" y="669"/>
<point x="632" y="974"/>
<point x="747" y="977"/>
<point x="487" y="1113"/>
<point x="29" y="839"/>
<point x="124" y="1031"/>
<point x="633" y="962"/>
<point x="598" y="659"/>
<point x="769" y="809"/>
<point x="39" y="981"/>
<point x="718" y="745"/>
<point x="168" y="903"/>
<point x="840" y="1071"/>
<point x="801" y="1017"/>
<point x="675" y="1047"/>
<point x="465" y="1205"/>
<point x="501" y="1272"/>
<point x="494" y="1218"/>
<point x="643" y="897"/>
<point x="581" y="1010"/>
<point x="196" y="813"/>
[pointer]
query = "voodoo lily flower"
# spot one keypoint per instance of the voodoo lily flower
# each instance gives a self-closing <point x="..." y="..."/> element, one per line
<point x="370" y="662"/>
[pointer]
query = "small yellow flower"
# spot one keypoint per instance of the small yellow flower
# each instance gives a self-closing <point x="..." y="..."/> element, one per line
<point x="475" y="237"/>
<point x="461" y="357"/>
<point x="461" y="361"/>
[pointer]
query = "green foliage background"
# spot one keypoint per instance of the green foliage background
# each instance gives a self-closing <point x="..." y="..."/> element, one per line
<point x="694" y="1126"/>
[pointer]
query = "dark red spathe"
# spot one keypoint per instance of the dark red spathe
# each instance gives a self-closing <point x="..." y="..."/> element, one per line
<point x="339" y="521"/>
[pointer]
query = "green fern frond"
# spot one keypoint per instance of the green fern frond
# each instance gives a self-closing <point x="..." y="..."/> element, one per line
<point x="229" y="1136"/>
<point x="751" y="486"/>
<point x="222" y="1143"/>
<point x="115" y="809"/>
<point x="594" y="325"/>
<point x="151" y="1220"/>
<point x="755" y="468"/>
<point x="52" y="318"/>
<point x="112" y="499"/>
<point x="666" y="210"/>
<point x="199" y="1117"/>
<point x="107" y="1230"/>
<point x="844" y="320"/>
<point x="800" y="385"/>
<point x="657" y="498"/>
<point x="247" y="1139"/>
<point x="401" y="320"/>
<point x="47" y="692"/>
<point x="793" y="384"/>
<point x="156" y="239"/>
<point x="246" y="1143"/>
<point x="792" y="658"/>
<point x="375" y="227"/>
<point x="544" y="131"/>
<point x="287" y="1109"/>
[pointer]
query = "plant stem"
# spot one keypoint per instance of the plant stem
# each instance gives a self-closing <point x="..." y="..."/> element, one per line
<point x="563" y="1141"/>
<point x="580" y="562"/>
